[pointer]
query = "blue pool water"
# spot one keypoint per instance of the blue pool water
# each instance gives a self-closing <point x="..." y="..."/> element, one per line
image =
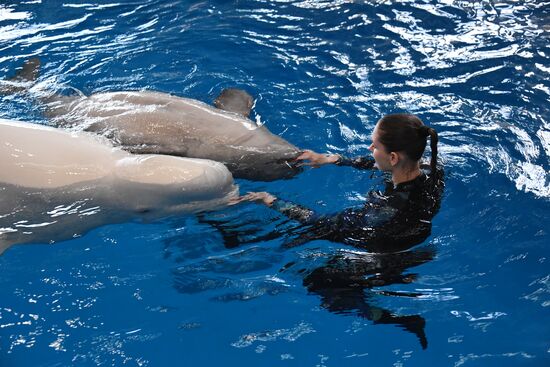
<point x="172" y="292"/>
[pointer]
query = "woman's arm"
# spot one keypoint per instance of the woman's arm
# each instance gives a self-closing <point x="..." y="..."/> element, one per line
<point x="371" y="227"/>
<point x="295" y="211"/>
<point x="287" y="208"/>
<point x="317" y="160"/>
<point x="352" y="222"/>
<point x="358" y="162"/>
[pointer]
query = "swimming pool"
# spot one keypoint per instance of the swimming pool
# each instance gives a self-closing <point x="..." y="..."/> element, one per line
<point x="322" y="72"/>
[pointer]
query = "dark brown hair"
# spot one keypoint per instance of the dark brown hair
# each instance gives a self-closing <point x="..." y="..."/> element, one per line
<point x="403" y="132"/>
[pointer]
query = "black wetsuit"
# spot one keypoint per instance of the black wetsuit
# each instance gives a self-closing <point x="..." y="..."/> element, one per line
<point x="389" y="221"/>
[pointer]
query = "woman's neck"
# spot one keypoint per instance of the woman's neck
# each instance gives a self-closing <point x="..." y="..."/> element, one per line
<point x="403" y="175"/>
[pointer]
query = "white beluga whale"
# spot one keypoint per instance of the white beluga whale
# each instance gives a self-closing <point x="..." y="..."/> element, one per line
<point x="145" y="122"/>
<point x="56" y="184"/>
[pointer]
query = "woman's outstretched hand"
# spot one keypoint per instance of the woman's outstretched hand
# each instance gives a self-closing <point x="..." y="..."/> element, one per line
<point x="263" y="197"/>
<point x="317" y="159"/>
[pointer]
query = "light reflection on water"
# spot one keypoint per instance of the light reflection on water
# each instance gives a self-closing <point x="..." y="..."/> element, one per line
<point x="323" y="72"/>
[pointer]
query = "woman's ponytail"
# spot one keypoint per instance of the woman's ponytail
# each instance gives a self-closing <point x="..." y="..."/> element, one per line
<point x="434" y="139"/>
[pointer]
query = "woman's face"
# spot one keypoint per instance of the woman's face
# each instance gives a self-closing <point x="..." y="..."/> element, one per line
<point x="381" y="156"/>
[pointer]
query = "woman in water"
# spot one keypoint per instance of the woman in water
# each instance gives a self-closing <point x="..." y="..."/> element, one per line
<point x="389" y="223"/>
<point x="393" y="220"/>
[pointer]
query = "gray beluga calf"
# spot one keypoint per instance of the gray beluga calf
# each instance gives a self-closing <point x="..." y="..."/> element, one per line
<point x="153" y="122"/>
<point x="56" y="184"/>
<point x="144" y="122"/>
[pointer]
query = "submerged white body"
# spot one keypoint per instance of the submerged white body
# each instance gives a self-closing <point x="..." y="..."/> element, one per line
<point x="56" y="184"/>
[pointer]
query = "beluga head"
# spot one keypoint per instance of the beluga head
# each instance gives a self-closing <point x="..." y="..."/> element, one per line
<point x="56" y="185"/>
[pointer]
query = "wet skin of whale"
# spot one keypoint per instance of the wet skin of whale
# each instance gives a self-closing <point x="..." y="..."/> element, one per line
<point x="144" y="122"/>
<point x="55" y="185"/>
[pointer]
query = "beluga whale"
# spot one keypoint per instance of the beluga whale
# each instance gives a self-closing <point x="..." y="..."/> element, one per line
<point x="56" y="184"/>
<point x="149" y="122"/>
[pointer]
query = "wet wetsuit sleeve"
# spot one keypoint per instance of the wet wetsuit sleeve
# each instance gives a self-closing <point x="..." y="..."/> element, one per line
<point x="294" y="211"/>
<point x="360" y="222"/>
<point x="357" y="162"/>
<point x="349" y="217"/>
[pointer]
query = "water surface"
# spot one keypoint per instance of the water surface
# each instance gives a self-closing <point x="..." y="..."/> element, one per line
<point x="182" y="291"/>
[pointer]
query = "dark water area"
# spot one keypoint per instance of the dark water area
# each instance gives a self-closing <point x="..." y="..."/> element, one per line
<point x="223" y="288"/>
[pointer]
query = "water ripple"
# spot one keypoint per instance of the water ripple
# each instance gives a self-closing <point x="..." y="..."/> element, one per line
<point x="322" y="73"/>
